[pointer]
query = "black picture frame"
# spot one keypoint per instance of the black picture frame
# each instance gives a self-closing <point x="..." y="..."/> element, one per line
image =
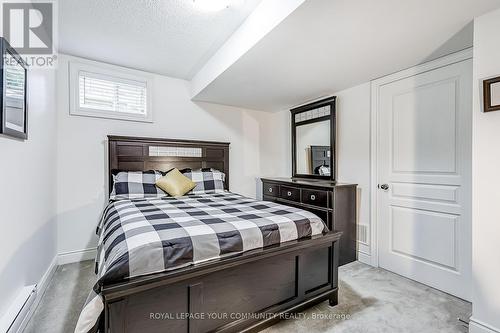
<point x="330" y="101"/>
<point x="488" y="107"/>
<point x="5" y="129"/>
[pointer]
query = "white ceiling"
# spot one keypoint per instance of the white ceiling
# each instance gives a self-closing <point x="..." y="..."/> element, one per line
<point x="169" y="37"/>
<point x="328" y="45"/>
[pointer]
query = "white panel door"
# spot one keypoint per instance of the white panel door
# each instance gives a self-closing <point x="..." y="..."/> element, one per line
<point x="424" y="169"/>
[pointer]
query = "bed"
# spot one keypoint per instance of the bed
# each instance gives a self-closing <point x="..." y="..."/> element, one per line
<point x="243" y="288"/>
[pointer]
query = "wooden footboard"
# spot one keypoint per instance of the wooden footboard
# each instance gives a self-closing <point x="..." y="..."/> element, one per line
<point x="243" y="293"/>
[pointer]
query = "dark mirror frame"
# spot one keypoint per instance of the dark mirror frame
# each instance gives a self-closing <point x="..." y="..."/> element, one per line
<point x="6" y="48"/>
<point x="332" y="117"/>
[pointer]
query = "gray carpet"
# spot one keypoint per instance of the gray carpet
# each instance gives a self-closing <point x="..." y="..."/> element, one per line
<point x="370" y="300"/>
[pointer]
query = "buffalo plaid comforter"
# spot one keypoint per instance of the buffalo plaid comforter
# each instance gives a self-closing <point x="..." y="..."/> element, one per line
<point x="145" y="236"/>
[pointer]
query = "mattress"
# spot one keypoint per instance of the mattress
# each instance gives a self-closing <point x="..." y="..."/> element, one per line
<point x="146" y="236"/>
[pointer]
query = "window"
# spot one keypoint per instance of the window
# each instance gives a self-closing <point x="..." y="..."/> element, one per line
<point x="109" y="92"/>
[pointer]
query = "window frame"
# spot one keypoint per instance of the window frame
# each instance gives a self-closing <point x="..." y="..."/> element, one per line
<point x="113" y="73"/>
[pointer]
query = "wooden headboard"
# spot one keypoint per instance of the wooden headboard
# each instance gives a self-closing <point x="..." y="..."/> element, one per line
<point x="141" y="154"/>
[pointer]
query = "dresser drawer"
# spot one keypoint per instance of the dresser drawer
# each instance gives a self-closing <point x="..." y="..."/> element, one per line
<point x="270" y="189"/>
<point x="290" y="193"/>
<point x="335" y="204"/>
<point x="315" y="198"/>
<point x="323" y="214"/>
<point x="270" y="198"/>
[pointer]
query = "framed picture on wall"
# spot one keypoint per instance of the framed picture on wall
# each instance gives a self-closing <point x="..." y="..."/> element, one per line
<point x="13" y="87"/>
<point x="491" y="90"/>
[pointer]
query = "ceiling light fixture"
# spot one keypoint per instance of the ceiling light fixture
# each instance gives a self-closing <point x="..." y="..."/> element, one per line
<point x="211" y="5"/>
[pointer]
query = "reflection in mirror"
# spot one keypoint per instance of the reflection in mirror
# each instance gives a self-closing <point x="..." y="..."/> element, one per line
<point x="313" y="148"/>
<point x="495" y="94"/>
<point x="14" y="94"/>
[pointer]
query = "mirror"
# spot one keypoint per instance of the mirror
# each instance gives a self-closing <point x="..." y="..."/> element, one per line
<point x="13" y="113"/>
<point x="15" y="78"/>
<point x="313" y="139"/>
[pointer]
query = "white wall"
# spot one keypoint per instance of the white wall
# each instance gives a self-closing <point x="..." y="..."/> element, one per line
<point x="486" y="182"/>
<point x="27" y="196"/>
<point x="81" y="157"/>
<point x="353" y="151"/>
<point x="275" y="149"/>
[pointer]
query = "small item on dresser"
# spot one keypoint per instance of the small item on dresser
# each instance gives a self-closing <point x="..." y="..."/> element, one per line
<point x="323" y="170"/>
<point x="175" y="183"/>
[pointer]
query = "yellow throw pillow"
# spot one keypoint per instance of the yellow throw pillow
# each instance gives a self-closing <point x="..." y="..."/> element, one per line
<point x="175" y="183"/>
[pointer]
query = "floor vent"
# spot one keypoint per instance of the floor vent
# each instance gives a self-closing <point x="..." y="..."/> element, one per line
<point x="363" y="233"/>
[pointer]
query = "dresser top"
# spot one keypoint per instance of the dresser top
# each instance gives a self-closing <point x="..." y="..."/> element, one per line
<point x="305" y="181"/>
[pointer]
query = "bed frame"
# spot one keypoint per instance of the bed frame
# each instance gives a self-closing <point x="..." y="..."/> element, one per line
<point x="243" y="293"/>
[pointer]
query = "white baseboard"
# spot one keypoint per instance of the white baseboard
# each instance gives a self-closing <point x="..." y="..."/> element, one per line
<point x="76" y="256"/>
<point x="60" y="259"/>
<point x="45" y="281"/>
<point x="63" y="258"/>
<point x="364" y="258"/>
<point x="477" y="326"/>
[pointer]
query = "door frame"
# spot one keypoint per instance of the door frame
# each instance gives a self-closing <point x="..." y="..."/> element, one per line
<point x="376" y="84"/>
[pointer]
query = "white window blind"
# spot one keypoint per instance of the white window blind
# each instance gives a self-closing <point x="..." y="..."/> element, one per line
<point x="108" y="91"/>
<point x="111" y="94"/>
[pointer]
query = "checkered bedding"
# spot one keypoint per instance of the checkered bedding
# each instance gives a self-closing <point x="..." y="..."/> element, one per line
<point x="136" y="185"/>
<point x="206" y="179"/>
<point x="151" y="235"/>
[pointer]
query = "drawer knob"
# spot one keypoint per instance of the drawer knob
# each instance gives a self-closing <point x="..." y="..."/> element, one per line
<point x="289" y="193"/>
<point x="313" y="197"/>
<point x="270" y="190"/>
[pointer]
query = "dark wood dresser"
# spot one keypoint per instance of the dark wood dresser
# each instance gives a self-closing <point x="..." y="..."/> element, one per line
<point x="335" y="203"/>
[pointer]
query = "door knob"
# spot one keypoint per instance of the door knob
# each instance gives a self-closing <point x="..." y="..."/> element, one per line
<point x="384" y="187"/>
